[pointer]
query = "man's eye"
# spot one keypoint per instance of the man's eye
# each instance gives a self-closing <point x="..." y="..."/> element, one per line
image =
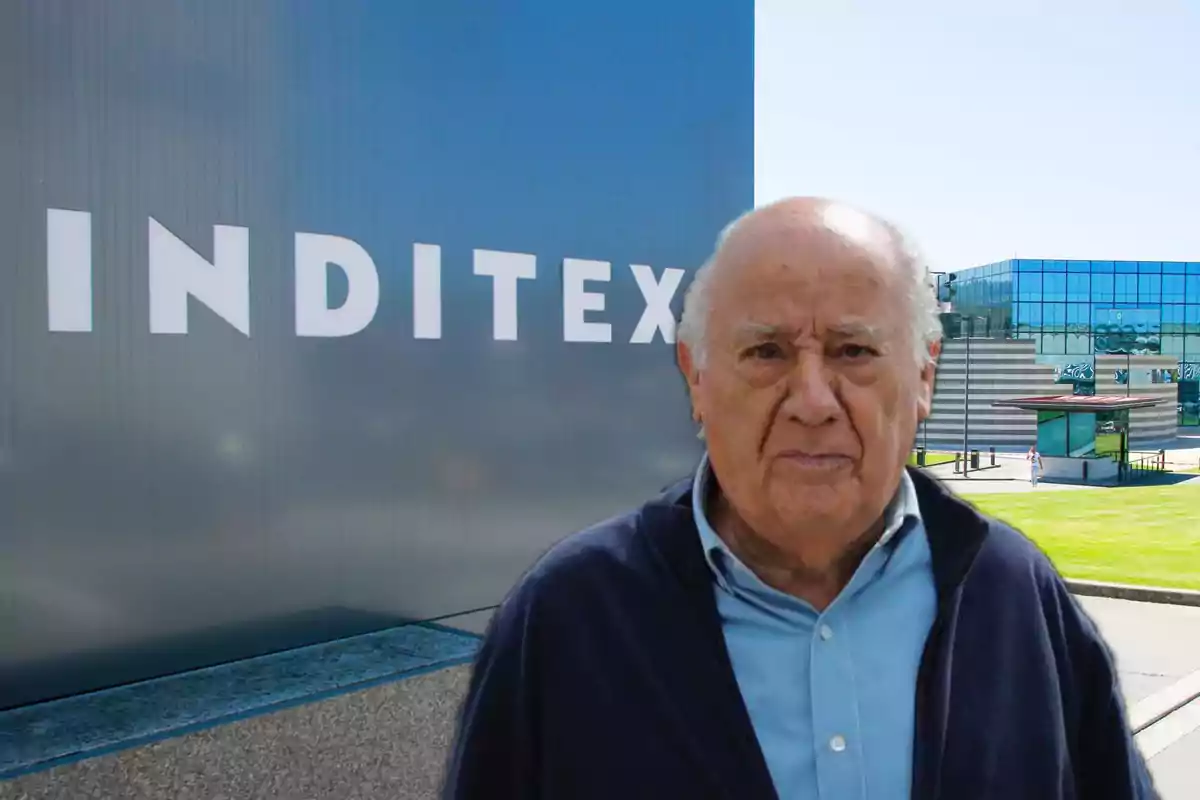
<point x="765" y="351"/>
<point x="856" y="352"/>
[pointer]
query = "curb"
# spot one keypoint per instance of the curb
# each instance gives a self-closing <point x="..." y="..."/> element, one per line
<point x="1164" y="702"/>
<point x="1141" y="594"/>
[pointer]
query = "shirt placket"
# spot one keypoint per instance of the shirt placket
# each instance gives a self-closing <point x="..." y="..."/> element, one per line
<point x="836" y="721"/>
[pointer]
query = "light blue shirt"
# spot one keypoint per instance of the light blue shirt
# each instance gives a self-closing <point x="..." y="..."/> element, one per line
<point x="832" y="695"/>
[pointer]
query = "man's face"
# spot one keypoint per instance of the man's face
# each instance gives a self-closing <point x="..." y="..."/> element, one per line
<point x="810" y="394"/>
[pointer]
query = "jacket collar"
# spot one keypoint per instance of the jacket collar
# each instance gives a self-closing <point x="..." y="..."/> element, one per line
<point x="956" y="532"/>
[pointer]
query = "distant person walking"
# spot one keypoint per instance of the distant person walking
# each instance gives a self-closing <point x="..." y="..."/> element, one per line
<point x="1035" y="464"/>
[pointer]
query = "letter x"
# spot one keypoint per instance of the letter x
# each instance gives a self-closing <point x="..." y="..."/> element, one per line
<point x="658" y="296"/>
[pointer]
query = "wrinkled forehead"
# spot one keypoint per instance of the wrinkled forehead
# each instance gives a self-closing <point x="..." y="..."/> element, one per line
<point x="843" y="268"/>
<point x="848" y="327"/>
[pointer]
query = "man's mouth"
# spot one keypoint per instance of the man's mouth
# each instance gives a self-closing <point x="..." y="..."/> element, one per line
<point x="816" y="461"/>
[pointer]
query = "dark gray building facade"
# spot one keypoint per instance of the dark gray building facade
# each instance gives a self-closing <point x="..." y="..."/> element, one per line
<point x="322" y="317"/>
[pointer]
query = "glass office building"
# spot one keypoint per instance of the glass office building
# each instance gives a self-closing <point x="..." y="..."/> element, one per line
<point x="1075" y="310"/>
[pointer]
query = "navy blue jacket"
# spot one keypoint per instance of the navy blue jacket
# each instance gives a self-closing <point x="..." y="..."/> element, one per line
<point x="604" y="674"/>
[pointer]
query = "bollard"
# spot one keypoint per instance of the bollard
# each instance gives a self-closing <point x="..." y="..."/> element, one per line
<point x="974" y="459"/>
<point x="992" y="454"/>
<point x="1085" y="466"/>
<point x="920" y="456"/>
<point x="958" y="462"/>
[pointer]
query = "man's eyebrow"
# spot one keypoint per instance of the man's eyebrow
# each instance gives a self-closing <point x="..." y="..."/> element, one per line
<point x="851" y="329"/>
<point x="855" y="330"/>
<point x="757" y="330"/>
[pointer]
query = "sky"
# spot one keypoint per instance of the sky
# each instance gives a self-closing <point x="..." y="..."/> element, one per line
<point x="1060" y="129"/>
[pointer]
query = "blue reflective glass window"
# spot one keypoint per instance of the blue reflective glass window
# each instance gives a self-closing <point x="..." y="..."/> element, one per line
<point x="1078" y="313"/>
<point x="1052" y="433"/>
<point x="1053" y="344"/>
<point x="1174" y="267"/>
<point x="1172" y="315"/>
<point x="1078" y="286"/>
<point x="1193" y="268"/>
<point x="1138" y="319"/>
<point x="1029" y="265"/>
<point x="1030" y="314"/>
<point x="1173" y="288"/>
<point x="1079" y="343"/>
<point x="1054" y="316"/>
<point x="1102" y="288"/>
<point x="965" y="293"/>
<point x="1004" y="316"/>
<point x="1054" y="266"/>
<point x="1192" y="292"/>
<point x="1081" y="434"/>
<point x="1125" y="288"/>
<point x="1126" y="266"/>
<point x="1054" y="286"/>
<point x="1191" y="318"/>
<point x="1079" y="266"/>
<point x="1150" y="266"/>
<point x="1149" y="288"/>
<point x="1029" y="286"/>
<point x="1102" y="266"/>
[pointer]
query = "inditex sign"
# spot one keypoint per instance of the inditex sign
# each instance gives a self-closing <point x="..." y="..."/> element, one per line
<point x="177" y="272"/>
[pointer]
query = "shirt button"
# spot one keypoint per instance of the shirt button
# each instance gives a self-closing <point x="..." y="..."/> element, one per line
<point x="825" y="632"/>
<point x="837" y="744"/>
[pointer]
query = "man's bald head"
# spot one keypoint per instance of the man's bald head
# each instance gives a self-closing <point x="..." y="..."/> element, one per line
<point x="825" y="229"/>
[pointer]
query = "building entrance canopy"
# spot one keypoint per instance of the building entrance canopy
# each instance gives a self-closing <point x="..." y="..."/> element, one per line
<point x="1071" y="402"/>
<point x="1072" y="427"/>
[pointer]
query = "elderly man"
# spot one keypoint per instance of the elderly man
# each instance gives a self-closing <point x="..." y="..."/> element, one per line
<point x="804" y="618"/>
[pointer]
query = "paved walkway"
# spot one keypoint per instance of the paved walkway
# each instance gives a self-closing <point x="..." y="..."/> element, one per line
<point x="1011" y="474"/>
<point x="1157" y="648"/>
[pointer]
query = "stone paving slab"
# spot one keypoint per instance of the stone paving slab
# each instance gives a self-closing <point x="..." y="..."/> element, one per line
<point x="384" y="743"/>
<point x="1176" y="770"/>
<point x="1154" y="644"/>
<point x="1157" y="646"/>
<point x="37" y="736"/>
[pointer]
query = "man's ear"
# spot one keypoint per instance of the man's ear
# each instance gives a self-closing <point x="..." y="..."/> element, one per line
<point x="691" y="374"/>
<point x="928" y="375"/>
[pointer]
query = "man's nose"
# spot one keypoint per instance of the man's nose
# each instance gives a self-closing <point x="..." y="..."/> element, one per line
<point x="811" y="396"/>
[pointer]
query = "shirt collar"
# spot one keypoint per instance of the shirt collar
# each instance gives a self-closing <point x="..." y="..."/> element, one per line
<point x="902" y="507"/>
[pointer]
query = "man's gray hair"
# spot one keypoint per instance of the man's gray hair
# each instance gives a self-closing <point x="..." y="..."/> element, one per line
<point x="924" y="308"/>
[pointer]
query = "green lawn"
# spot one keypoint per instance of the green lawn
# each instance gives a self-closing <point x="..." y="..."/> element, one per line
<point x="1146" y="535"/>
<point x="931" y="459"/>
